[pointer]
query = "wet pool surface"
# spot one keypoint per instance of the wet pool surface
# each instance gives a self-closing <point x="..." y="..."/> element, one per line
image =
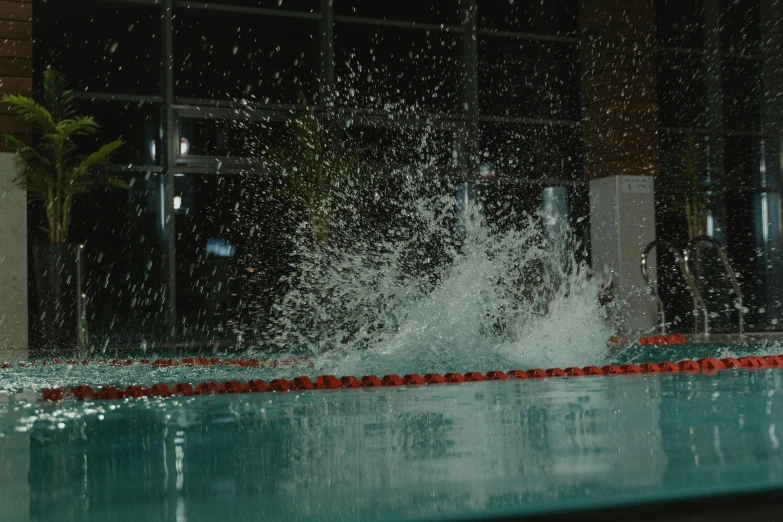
<point x="407" y="453"/>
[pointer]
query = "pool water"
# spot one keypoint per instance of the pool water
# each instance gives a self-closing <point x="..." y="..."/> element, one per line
<point x="465" y="451"/>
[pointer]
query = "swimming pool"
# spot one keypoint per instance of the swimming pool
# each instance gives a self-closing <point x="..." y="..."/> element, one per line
<point x="476" y="450"/>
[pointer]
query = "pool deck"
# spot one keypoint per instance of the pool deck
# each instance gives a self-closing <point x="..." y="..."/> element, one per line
<point x="761" y="506"/>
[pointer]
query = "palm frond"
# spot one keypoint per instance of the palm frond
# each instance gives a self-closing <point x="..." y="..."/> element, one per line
<point x="28" y="110"/>
<point x="99" y="158"/>
<point x="80" y="126"/>
<point x="58" y="97"/>
<point x="32" y="168"/>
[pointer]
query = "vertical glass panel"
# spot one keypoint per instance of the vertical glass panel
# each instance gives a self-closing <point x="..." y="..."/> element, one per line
<point x="551" y="17"/>
<point x="528" y="78"/>
<point x="229" y="55"/>
<point x="210" y="274"/>
<point x="742" y="155"/>
<point x="532" y="151"/>
<point x="680" y="23"/>
<point x="101" y="46"/>
<point x="742" y="91"/>
<point x="136" y="124"/>
<point x="233" y="246"/>
<point x="223" y="137"/>
<point x="681" y="89"/>
<point x="740" y="26"/>
<point x="125" y="281"/>
<point x="395" y="147"/>
<point x="390" y="68"/>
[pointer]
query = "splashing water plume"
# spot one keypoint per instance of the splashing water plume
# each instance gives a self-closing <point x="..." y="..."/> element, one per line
<point x="445" y="291"/>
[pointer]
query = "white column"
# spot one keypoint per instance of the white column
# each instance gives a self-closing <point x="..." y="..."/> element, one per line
<point x="13" y="263"/>
<point x="622" y="224"/>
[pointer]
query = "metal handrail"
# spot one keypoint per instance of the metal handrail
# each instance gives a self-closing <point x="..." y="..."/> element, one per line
<point x="726" y="268"/>
<point x="81" y="305"/>
<point x="679" y="256"/>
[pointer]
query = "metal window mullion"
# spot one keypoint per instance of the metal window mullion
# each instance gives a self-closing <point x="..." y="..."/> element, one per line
<point x="530" y="121"/>
<point x="138" y="2"/>
<point x="170" y="153"/>
<point x="713" y="75"/>
<point x="326" y="90"/>
<point x="471" y="136"/>
<point x="399" y="24"/>
<point x="528" y="36"/>
<point x="135" y="168"/>
<point x="107" y="96"/>
<point x="237" y="9"/>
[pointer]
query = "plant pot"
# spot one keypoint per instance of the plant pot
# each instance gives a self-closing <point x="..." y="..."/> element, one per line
<point x="59" y="291"/>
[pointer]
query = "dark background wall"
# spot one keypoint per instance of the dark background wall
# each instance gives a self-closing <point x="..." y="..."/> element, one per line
<point x="490" y="82"/>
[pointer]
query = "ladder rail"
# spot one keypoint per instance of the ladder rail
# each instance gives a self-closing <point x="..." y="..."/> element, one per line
<point x="727" y="268"/>
<point x="680" y="258"/>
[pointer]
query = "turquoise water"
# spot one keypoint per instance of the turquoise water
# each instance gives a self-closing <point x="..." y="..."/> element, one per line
<point x="408" y="453"/>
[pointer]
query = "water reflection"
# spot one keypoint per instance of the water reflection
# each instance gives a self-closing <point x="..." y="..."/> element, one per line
<point x="405" y="453"/>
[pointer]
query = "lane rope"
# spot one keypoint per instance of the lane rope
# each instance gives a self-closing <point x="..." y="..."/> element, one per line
<point x="707" y="366"/>
<point x="651" y="340"/>
<point x="185" y="361"/>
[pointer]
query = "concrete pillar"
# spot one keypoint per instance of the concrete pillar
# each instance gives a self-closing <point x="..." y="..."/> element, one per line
<point x="620" y="143"/>
<point x="16" y="48"/>
<point x="13" y="262"/>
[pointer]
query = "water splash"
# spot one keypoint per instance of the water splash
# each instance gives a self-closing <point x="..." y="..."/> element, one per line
<point x="443" y="291"/>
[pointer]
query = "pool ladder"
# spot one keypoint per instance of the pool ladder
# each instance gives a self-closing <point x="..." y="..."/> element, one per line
<point x="683" y="257"/>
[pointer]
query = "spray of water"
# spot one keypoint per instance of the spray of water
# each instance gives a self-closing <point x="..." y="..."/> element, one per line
<point x="442" y="291"/>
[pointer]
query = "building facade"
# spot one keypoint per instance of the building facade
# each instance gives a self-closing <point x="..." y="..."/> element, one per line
<point x="561" y="96"/>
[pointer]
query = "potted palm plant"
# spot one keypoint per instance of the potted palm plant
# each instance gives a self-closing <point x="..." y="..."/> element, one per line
<point x="54" y="173"/>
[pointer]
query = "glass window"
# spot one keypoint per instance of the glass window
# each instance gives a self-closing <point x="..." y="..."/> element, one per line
<point x="227" y="56"/>
<point x="222" y="137"/>
<point x="680" y="23"/>
<point x="740" y="26"/>
<point x="232" y="248"/>
<point x="742" y="93"/>
<point x="137" y="124"/>
<point x="391" y="68"/>
<point x="427" y="11"/>
<point x="124" y="241"/>
<point x="551" y="17"/>
<point x="532" y="151"/>
<point x="101" y="47"/>
<point x="397" y="147"/>
<point x="528" y="78"/>
<point x="743" y="154"/>
<point x="681" y="89"/>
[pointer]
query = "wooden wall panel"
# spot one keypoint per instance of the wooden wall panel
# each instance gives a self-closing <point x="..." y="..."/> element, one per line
<point x="16" y="61"/>
<point x="619" y="91"/>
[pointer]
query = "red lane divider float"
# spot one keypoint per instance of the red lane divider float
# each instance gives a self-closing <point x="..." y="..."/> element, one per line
<point x="185" y="361"/>
<point x="330" y="382"/>
<point x="651" y="340"/>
